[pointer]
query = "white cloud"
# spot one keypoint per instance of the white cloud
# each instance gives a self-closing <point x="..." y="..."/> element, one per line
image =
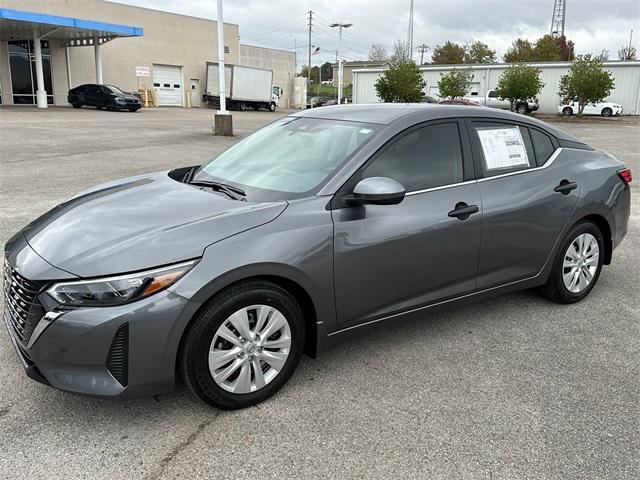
<point x="593" y="25"/>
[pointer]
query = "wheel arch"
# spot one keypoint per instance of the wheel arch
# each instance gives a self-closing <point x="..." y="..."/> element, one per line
<point x="285" y="277"/>
<point x="602" y="223"/>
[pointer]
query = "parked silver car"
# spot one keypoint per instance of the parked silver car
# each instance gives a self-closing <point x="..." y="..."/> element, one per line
<point x="318" y="226"/>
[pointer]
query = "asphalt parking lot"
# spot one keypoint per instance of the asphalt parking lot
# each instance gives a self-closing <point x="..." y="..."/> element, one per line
<point x="513" y="387"/>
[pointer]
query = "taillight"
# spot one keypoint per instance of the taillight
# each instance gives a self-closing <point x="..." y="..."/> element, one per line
<point x="626" y="176"/>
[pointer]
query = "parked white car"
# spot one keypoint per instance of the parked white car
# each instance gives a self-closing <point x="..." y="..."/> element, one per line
<point x="606" y="109"/>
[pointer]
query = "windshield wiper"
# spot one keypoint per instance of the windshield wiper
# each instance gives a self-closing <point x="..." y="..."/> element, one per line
<point x="231" y="191"/>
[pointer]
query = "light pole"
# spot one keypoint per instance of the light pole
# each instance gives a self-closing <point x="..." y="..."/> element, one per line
<point x="222" y="119"/>
<point x="340" y="26"/>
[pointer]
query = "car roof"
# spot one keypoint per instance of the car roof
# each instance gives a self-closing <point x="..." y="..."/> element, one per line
<point x="388" y="113"/>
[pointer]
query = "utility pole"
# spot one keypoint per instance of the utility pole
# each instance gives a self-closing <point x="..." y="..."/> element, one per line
<point x="630" y="37"/>
<point x="222" y="120"/>
<point x="422" y="49"/>
<point x="340" y="26"/>
<point x="309" y="64"/>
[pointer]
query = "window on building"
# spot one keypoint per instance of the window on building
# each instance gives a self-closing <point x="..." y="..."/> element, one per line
<point x="22" y="64"/>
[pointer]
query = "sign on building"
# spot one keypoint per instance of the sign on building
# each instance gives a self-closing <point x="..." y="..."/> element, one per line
<point x="143" y="72"/>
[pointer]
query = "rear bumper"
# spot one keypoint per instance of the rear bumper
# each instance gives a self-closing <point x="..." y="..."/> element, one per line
<point x="76" y="351"/>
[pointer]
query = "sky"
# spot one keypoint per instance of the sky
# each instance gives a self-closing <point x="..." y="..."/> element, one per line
<point x="593" y="25"/>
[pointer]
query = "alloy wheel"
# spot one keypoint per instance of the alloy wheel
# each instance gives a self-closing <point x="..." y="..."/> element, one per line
<point x="580" y="264"/>
<point x="249" y="349"/>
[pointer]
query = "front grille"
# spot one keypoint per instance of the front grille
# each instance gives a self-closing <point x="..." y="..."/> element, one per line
<point x="22" y="309"/>
<point x="118" y="357"/>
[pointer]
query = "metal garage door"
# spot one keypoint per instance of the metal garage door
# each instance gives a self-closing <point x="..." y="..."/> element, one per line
<point x="167" y="82"/>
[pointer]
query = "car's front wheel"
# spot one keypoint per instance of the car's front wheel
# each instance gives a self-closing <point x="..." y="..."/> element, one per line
<point x="522" y="108"/>
<point x="243" y="346"/>
<point x="577" y="265"/>
<point x="606" y="112"/>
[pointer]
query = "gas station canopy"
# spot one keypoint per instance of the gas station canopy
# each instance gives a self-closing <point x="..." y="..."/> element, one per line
<point x="21" y="25"/>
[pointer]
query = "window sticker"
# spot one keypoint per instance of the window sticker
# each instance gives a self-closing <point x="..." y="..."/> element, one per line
<point x="503" y="148"/>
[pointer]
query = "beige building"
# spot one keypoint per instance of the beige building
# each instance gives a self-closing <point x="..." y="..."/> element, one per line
<point x="131" y="47"/>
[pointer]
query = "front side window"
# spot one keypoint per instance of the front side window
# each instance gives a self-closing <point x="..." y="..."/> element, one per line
<point x="292" y="156"/>
<point x="503" y="147"/>
<point x="428" y="157"/>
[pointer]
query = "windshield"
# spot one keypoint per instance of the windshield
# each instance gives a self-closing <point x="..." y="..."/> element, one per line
<point x="115" y="89"/>
<point x="291" y="156"/>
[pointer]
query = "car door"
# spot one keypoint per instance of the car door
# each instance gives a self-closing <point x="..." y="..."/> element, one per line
<point x="392" y="258"/>
<point x="92" y="96"/>
<point x="527" y="198"/>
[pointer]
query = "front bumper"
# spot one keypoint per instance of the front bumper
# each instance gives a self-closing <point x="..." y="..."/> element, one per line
<point x="84" y="350"/>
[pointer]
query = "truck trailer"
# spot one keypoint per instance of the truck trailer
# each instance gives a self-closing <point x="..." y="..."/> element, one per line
<point x="245" y="87"/>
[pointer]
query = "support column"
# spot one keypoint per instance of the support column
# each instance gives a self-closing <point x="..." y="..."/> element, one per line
<point x="97" y="48"/>
<point x="41" y="93"/>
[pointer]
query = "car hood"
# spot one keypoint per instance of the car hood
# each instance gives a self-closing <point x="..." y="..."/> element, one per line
<point x="138" y="223"/>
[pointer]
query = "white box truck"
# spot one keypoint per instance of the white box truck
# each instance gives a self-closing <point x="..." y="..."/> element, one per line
<point x="245" y="87"/>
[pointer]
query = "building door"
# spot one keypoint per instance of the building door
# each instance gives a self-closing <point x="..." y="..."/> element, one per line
<point x="194" y="91"/>
<point x="167" y="83"/>
<point x="22" y="64"/>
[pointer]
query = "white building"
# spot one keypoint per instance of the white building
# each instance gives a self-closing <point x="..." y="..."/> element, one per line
<point x="485" y="78"/>
<point x="60" y="44"/>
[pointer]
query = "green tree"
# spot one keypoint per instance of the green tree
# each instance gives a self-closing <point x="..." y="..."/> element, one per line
<point x="455" y="83"/>
<point x="401" y="83"/>
<point x="587" y="82"/>
<point x="327" y="71"/>
<point x="448" y="54"/>
<point x="567" y="48"/>
<point x="519" y="83"/>
<point x="478" y="52"/>
<point x="520" y="51"/>
<point x="546" y="49"/>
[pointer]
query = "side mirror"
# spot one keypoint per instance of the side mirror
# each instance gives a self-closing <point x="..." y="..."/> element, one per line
<point x="376" y="191"/>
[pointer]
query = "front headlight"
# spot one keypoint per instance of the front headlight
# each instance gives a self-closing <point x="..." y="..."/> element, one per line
<point x="116" y="290"/>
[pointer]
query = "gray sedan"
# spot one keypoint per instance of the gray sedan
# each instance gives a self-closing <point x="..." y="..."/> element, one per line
<point x="320" y="225"/>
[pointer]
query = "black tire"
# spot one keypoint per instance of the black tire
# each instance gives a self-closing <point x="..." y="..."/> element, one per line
<point x="193" y="360"/>
<point x="555" y="289"/>
<point x="606" y="112"/>
<point x="242" y="106"/>
<point x="272" y="107"/>
<point x="76" y="105"/>
<point x="522" y="109"/>
<point x="567" y="111"/>
<point x="110" y="106"/>
<point x="134" y="109"/>
<point x="99" y="107"/>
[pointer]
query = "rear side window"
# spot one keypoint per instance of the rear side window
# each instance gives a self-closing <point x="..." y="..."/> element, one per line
<point x="503" y="147"/>
<point x="427" y="157"/>
<point x="493" y="94"/>
<point x="542" y="145"/>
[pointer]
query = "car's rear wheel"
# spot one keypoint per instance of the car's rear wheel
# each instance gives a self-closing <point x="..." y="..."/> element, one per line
<point x="606" y="112"/>
<point x="567" y="111"/>
<point x="243" y="346"/>
<point x="522" y="108"/>
<point x="242" y="106"/>
<point x="76" y="105"/>
<point x="110" y="105"/>
<point x="577" y="265"/>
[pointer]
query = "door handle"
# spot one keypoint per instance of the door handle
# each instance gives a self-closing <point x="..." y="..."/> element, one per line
<point x="463" y="211"/>
<point x="565" y="187"/>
